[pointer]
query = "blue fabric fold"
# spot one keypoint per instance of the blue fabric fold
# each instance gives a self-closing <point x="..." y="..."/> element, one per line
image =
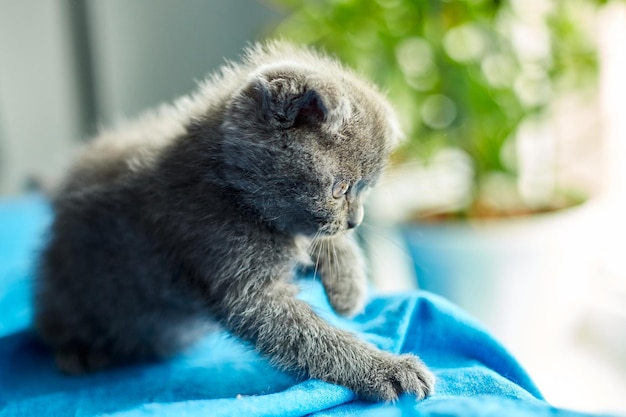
<point x="221" y="376"/>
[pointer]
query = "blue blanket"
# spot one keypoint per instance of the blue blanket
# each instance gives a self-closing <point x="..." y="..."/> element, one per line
<point x="220" y="376"/>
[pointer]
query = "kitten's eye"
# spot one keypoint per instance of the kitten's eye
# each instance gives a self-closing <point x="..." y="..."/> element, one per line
<point x="340" y="188"/>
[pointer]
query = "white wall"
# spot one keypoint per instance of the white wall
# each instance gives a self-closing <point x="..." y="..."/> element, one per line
<point x="142" y="52"/>
<point x="38" y="106"/>
<point x="147" y="51"/>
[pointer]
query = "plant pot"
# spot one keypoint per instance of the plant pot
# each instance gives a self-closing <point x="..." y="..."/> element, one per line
<point x="522" y="278"/>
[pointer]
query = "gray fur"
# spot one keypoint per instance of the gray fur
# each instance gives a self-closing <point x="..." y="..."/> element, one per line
<point x="199" y="213"/>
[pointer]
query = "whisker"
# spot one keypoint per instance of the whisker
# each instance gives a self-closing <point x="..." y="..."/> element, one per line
<point x="317" y="257"/>
<point x="331" y="261"/>
<point x="336" y="271"/>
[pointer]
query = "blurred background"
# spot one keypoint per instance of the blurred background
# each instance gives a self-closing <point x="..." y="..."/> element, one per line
<point x="507" y="197"/>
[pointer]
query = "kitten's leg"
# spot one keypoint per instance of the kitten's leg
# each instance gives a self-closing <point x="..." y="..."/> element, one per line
<point x="80" y="362"/>
<point x="340" y="263"/>
<point x="296" y="339"/>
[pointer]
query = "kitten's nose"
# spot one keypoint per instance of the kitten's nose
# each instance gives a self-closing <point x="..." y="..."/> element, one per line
<point x="355" y="216"/>
<point x="352" y="224"/>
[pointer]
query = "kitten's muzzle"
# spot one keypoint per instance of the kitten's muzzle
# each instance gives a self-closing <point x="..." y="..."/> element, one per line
<point x="355" y="216"/>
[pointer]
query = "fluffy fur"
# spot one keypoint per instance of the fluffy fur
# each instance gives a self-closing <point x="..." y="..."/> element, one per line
<point x="200" y="211"/>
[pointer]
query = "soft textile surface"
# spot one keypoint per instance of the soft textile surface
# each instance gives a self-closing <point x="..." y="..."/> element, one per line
<point x="221" y="376"/>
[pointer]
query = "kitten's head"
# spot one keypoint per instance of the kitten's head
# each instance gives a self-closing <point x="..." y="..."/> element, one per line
<point x="304" y="143"/>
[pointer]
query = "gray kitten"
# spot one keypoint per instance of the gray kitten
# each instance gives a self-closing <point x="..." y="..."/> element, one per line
<point x="200" y="212"/>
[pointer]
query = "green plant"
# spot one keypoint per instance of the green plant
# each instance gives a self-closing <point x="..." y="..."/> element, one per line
<point x="463" y="74"/>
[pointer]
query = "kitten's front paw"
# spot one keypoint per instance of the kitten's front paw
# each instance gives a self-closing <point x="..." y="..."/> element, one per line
<point x="348" y="293"/>
<point x="78" y="363"/>
<point x="395" y="375"/>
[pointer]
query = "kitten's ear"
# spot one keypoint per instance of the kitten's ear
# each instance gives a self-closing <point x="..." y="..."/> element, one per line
<point x="282" y="102"/>
<point x="308" y="109"/>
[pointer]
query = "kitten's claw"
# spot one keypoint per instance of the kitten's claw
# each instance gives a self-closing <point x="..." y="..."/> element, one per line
<point x="396" y="375"/>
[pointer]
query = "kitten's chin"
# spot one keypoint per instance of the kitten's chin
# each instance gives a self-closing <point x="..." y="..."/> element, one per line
<point x="314" y="228"/>
<point x="330" y="230"/>
<point x="320" y="231"/>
